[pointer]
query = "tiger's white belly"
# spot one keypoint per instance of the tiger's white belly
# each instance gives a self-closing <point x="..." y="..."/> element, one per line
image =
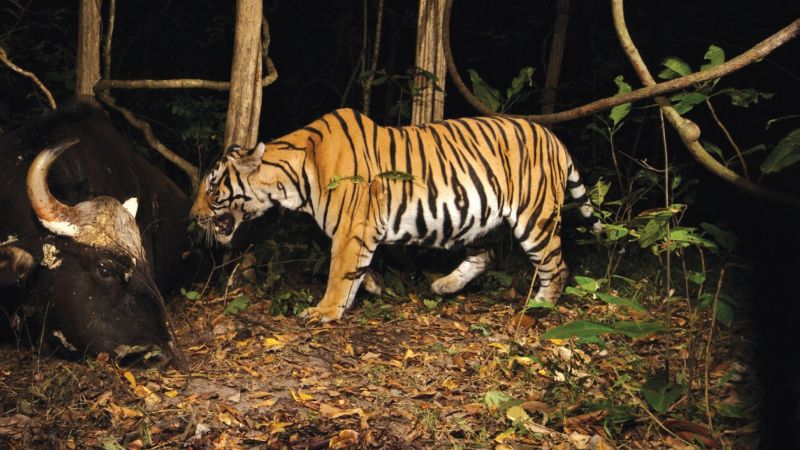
<point x="445" y="225"/>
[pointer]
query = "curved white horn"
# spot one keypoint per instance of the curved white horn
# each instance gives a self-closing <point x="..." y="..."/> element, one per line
<point x="54" y="215"/>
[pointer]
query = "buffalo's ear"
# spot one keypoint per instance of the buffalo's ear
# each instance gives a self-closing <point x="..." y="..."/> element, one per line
<point x="15" y="265"/>
<point x="131" y="205"/>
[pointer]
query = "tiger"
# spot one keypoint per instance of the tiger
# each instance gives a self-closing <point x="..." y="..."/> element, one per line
<point x="442" y="184"/>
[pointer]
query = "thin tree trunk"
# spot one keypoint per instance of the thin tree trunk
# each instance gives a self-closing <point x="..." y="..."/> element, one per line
<point x="376" y="48"/>
<point x="556" y="57"/>
<point x="87" y="64"/>
<point x="244" y="104"/>
<point x="429" y="104"/>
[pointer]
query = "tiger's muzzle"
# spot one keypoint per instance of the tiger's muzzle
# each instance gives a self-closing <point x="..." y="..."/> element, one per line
<point x="223" y="224"/>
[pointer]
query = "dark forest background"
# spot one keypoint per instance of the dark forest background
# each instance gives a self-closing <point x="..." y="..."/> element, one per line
<point x="315" y="47"/>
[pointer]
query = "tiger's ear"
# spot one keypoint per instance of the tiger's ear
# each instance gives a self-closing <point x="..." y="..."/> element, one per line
<point x="258" y="152"/>
<point x="250" y="161"/>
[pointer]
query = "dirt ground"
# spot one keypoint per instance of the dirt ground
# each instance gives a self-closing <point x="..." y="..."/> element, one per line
<point x="406" y="373"/>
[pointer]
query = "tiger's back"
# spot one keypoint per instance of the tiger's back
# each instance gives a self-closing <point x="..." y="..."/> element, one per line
<point x="468" y="174"/>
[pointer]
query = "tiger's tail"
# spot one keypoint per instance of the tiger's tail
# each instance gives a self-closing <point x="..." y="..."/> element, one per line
<point x="578" y="192"/>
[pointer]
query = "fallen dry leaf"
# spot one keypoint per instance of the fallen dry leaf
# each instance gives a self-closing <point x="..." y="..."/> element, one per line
<point x="691" y="431"/>
<point x="520" y="322"/>
<point x="300" y="396"/>
<point x="344" y="439"/>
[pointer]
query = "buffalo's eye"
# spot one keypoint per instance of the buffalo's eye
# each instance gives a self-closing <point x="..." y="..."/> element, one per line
<point x="104" y="271"/>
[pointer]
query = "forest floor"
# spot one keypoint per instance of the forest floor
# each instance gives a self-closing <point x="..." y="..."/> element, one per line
<point x="407" y="372"/>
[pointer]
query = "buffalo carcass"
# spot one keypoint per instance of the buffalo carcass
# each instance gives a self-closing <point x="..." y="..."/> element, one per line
<point x="75" y="267"/>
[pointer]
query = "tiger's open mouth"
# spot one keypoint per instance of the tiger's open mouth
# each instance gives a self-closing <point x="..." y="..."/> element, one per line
<point x="223" y="224"/>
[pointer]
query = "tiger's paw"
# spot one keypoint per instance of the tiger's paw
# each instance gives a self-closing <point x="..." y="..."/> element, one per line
<point x="321" y="314"/>
<point x="447" y="285"/>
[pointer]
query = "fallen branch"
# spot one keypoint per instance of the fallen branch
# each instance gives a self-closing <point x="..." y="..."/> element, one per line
<point x="755" y="54"/>
<point x="190" y="170"/>
<point x="688" y="130"/>
<point x="31" y="75"/>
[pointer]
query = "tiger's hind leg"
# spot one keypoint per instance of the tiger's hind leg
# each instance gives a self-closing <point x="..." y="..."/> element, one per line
<point x="476" y="263"/>
<point x="542" y="244"/>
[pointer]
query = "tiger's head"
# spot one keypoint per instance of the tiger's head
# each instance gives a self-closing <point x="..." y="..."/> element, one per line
<point x="226" y="197"/>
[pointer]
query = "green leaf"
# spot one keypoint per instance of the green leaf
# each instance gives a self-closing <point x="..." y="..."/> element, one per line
<point x="724" y="313"/>
<point x="494" y="399"/>
<point x="586" y="283"/>
<point x="396" y="175"/>
<point x="578" y="292"/>
<point x="192" y="295"/>
<point x="237" y="305"/>
<point x="697" y="278"/>
<point x="654" y="230"/>
<point x="683" y="102"/>
<point x="430" y="304"/>
<point x="584" y="330"/>
<point x="638" y="329"/>
<point x="619" y="112"/>
<point x="626" y="302"/>
<point x="487" y="94"/>
<point x="502" y="278"/>
<point x="732" y="411"/>
<point x="335" y="181"/>
<point x="615" y="232"/>
<point x="713" y="148"/>
<point x="540" y="303"/>
<point x="110" y="443"/>
<point x="524" y="77"/>
<point x="685" y="236"/>
<point x="785" y="153"/>
<point x="660" y="393"/>
<point x="599" y="191"/>
<point x="715" y="56"/>
<point x="745" y="97"/>
<point x="725" y="238"/>
<point x="674" y="68"/>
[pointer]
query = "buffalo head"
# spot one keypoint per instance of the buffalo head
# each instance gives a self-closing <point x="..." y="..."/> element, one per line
<point x="89" y="281"/>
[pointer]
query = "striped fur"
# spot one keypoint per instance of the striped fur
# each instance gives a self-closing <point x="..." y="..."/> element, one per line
<point x="469" y="176"/>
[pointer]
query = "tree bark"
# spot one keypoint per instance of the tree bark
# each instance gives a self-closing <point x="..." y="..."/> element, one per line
<point x="87" y="64"/>
<point x="366" y="86"/>
<point x="244" y="104"/>
<point x="556" y="57"/>
<point x="429" y="104"/>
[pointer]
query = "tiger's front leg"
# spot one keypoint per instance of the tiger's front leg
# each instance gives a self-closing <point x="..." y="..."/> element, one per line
<point x="351" y="253"/>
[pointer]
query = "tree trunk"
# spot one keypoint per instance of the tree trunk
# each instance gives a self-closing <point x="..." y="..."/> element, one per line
<point x="87" y="64"/>
<point x="366" y="85"/>
<point x="556" y="57"/>
<point x="244" y="104"/>
<point x="429" y="104"/>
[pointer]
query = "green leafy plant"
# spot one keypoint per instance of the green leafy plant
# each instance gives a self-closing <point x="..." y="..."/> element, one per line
<point x="291" y="302"/>
<point x="237" y="305"/>
<point x="660" y="393"/>
<point x="190" y="295"/>
<point x="499" y="101"/>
